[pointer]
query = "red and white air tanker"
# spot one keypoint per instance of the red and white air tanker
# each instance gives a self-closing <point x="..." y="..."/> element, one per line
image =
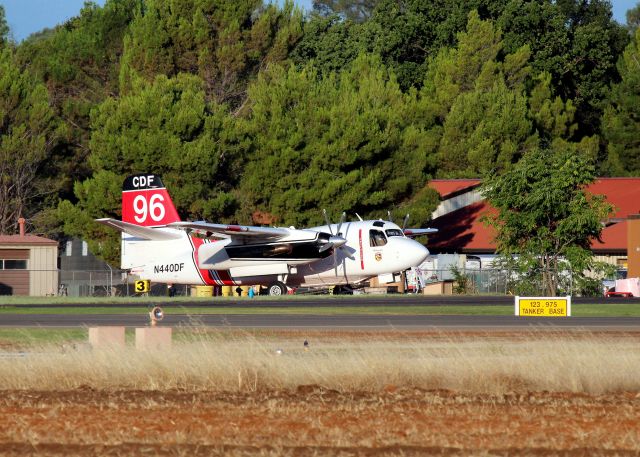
<point x="157" y="245"/>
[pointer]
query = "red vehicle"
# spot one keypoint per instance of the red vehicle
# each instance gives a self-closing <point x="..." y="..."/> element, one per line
<point x="613" y="293"/>
<point x="627" y="287"/>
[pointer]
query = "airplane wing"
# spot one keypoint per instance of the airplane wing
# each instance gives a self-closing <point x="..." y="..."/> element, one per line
<point x="232" y="231"/>
<point x="418" y="232"/>
<point x="146" y="233"/>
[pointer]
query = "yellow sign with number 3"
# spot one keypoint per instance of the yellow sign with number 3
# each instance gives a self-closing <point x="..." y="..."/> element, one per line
<point x="142" y="286"/>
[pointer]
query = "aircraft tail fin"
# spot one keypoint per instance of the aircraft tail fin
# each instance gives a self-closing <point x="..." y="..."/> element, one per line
<point x="146" y="202"/>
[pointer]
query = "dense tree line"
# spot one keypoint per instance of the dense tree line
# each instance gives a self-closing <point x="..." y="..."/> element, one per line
<point x="255" y="113"/>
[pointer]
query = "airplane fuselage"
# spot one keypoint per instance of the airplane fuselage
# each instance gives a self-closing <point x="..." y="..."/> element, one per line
<point x="372" y="248"/>
<point x="158" y="246"/>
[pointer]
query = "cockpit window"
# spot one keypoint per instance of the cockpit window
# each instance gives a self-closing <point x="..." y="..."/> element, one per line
<point x="394" y="232"/>
<point x="377" y="238"/>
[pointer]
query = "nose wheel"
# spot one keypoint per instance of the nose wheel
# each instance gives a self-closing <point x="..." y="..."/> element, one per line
<point x="276" y="289"/>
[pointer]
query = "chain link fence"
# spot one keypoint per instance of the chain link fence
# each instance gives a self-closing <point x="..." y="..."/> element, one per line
<point x="89" y="283"/>
<point x="504" y="282"/>
<point x="104" y="283"/>
<point x="495" y="282"/>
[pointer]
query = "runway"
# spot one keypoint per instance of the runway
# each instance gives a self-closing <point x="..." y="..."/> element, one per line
<point x="325" y="301"/>
<point x="342" y="321"/>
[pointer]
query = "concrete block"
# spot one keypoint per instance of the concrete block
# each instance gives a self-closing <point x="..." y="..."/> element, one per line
<point x="153" y="338"/>
<point x="434" y="288"/>
<point x="376" y="290"/>
<point x="438" y="288"/>
<point x="103" y="337"/>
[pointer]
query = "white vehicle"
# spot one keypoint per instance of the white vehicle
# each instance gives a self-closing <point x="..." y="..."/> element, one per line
<point x="156" y="245"/>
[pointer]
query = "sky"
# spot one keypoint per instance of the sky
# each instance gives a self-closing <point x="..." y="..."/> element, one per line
<point x="28" y="16"/>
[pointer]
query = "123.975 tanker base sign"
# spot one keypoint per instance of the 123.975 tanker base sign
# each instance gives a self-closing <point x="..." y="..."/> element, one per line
<point x="543" y="306"/>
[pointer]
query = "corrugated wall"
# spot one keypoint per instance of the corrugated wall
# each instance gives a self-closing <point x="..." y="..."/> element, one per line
<point x="14" y="282"/>
<point x="43" y="263"/>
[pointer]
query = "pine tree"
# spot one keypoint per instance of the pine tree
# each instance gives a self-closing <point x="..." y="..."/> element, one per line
<point x="344" y="142"/>
<point x="27" y="135"/>
<point x="622" y="119"/>
<point x="166" y="127"/>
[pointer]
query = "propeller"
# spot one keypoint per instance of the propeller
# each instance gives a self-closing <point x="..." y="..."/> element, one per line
<point x="404" y="221"/>
<point x="411" y="233"/>
<point x="336" y="239"/>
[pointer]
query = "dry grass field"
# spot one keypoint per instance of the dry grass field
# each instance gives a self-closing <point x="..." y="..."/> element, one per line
<point x="390" y="393"/>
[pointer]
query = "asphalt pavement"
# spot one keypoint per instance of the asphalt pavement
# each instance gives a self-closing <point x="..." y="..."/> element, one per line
<point x="325" y="301"/>
<point x="176" y="317"/>
<point x="342" y="321"/>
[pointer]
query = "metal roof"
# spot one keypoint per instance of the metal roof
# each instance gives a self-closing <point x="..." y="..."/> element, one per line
<point x="463" y="230"/>
<point x="26" y="240"/>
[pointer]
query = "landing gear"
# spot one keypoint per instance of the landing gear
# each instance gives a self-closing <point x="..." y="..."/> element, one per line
<point x="342" y="290"/>
<point x="276" y="288"/>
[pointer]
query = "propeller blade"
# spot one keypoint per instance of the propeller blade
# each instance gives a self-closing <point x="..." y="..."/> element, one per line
<point x="326" y="219"/>
<point x="405" y="221"/>
<point x="334" y="241"/>
<point x="342" y="219"/>
<point x="325" y="247"/>
<point x="347" y="253"/>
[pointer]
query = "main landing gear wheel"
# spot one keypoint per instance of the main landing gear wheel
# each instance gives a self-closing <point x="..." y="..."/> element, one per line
<point x="276" y="288"/>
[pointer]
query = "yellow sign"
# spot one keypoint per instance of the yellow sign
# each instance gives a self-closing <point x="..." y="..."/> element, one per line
<point x="543" y="306"/>
<point x="142" y="286"/>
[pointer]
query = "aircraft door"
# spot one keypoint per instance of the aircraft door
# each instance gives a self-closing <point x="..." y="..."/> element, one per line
<point x="376" y="249"/>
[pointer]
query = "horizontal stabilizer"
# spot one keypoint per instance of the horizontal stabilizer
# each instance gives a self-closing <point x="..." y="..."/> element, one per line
<point x="147" y="233"/>
<point x="418" y="232"/>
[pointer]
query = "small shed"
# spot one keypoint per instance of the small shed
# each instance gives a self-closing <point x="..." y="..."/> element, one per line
<point x="28" y="265"/>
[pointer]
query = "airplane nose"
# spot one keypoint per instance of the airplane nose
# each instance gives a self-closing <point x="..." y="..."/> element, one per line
<point x="418" y="254"/>
<point x="411" y="253"/>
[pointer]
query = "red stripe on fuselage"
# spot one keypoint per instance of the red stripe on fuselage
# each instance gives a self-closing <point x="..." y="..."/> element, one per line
<point x="361" y="253"/>
<point x="225" y="277"/>
<point x="207" y="277"/>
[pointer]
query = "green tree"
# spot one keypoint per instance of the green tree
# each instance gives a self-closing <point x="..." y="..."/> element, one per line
<point x="546" y="220"/>
<point x="576" y="42"/>
<point x="224" y="42"/>
<point x="633" y="19"/>
<point x="354" y="10"/>
<point x="331" y="43"/>
<point x="622" y="119"/>
<point x="78" y="63"/>
<point x="166" y="127"/>
<point x="477" y="95"/>
<point x="4" y="28"/>
<point x="405" y="34"/>
<point x="28" y="130"/>
<point x="344" y="142"/>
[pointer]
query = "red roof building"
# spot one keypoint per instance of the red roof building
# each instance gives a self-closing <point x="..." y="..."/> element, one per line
<point x="461" y="229"/>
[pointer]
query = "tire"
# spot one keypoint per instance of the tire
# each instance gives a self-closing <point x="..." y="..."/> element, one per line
<point x="276" y="289"/>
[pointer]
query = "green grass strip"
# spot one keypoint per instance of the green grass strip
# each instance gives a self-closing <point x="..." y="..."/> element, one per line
<point x="579" y="310"/>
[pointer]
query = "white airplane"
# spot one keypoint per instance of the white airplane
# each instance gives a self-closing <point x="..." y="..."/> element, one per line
<point x="157" y="246"/>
